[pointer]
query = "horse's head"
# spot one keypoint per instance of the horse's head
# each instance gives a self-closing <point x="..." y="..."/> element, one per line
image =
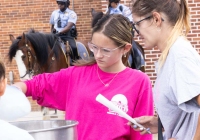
<point x="24" y="55"/>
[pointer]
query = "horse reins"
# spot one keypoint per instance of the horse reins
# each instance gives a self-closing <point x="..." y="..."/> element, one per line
<point x="67" y="53"/>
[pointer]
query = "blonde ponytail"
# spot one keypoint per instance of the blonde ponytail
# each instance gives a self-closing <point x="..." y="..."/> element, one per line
<point x="181" y="28"/>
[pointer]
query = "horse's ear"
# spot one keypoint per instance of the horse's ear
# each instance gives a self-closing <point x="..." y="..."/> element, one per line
<point x="12" y="38"/>
<point x="23" y="36"/>
<point x="93" y="12"/>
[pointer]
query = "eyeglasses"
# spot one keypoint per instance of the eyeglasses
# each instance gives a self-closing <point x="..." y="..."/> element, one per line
<point x="137" y="23"/>
<point x="60" y="3"/>
<point x="104" y="51"/>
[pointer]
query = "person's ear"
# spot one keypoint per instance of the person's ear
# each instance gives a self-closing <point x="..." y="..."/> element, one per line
<point x="127" y="48"/>
<point x="3" y="84"/>
<point x="157" y="19"/>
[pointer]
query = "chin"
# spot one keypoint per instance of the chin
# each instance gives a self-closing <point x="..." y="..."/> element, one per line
<point x="148" y="46"/>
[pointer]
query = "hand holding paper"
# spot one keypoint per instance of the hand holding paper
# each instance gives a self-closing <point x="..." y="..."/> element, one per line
<point x="100" y="98"/>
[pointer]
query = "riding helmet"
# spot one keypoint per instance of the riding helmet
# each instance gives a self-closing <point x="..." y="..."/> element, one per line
<point x="115" y="1"/>
<point x="66" y="1"/>
<point x="62" y="0"/>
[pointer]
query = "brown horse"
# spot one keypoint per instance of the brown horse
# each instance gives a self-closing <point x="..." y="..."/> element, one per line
<point x="136" y="58"/>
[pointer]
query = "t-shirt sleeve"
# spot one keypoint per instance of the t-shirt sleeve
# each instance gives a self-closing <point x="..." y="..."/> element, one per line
<point x="51" y="21"/>
<point x="144" y="107"/>
<point x="185" y="84"/>
<point x="50" y="89"/>
<point x="72" y="17"/>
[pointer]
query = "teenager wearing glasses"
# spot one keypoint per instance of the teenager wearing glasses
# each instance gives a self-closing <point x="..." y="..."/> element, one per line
<point x="74" y="89"/>
<point x="165" y="24"/>
<point x="63" y="22"/>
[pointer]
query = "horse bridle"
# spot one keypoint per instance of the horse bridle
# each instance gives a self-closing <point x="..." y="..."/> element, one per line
<point x="30" y="56"/>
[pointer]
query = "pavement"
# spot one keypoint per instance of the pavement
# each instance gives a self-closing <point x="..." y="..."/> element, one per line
<point x="60" y="115"/>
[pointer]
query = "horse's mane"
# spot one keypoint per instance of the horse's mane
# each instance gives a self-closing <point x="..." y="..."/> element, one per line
<point x="40" y="43"/>
<point x="13" y="48"/>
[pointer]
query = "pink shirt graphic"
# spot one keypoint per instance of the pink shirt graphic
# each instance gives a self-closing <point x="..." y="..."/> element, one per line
<point x="74" y="90"/>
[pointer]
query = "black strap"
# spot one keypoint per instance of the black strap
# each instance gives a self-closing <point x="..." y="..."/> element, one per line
<point x="121" y="8"/>
<point x="160" y="128"/>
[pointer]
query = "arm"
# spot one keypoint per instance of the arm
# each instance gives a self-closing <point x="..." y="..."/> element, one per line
<point x="71" y="22"/>
<point x="67" y="28"/>
<point x="52" y="28"/>
<point x="22" y="86"/>
<point x="51" y="21"/>
<point x="3" y="84"/>
<point x="198" y="99"/>
<point x="197" y="134"/>
<point x="49" y="89"/>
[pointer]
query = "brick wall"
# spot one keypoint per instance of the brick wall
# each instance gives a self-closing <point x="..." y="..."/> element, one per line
<point x="18" y="16"/>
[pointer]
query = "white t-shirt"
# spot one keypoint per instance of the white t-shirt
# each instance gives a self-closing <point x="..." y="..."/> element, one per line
<point x="175" y="89"/>
<point x="13" y="105"/>
<point x="10" y="132"/>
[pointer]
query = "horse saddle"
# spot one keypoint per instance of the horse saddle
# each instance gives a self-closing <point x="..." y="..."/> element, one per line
<point x="136" y="59"/>
<point x="81" y="49"/>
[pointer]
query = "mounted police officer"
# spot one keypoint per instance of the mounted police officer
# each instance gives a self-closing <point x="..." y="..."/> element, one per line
<point x="114" y="7"/>
<point x="63" y="23"/>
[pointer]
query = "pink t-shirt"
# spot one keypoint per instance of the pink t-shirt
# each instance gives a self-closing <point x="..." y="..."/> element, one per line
<point x="74" y="90"/>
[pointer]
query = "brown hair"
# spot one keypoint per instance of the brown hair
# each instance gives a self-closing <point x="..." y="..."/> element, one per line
<point x="2" y="70"/>
<point x="177" y="14"/>
<point x="117" y="28"/>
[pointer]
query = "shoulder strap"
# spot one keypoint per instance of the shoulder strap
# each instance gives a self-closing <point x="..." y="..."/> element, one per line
<point x="121" y="8"/>
<point x="160" y="134"/>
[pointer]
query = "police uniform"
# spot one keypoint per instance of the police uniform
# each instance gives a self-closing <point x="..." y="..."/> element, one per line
<point x="65" y="17"/>
<point x="121" y="9"/>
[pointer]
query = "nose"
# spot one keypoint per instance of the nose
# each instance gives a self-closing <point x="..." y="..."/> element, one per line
<point x="135" y="33"/>
<point x="99" y="54"/>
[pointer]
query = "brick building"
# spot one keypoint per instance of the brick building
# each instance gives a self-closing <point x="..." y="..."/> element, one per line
<point x="18" y="16"/>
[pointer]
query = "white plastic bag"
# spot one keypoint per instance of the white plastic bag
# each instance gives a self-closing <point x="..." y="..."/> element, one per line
<point x="13" y="104"/>
<point x="10" y="132"/>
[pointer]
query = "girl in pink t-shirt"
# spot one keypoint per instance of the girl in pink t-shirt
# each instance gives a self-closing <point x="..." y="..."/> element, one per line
<point x="74" y="89"/>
